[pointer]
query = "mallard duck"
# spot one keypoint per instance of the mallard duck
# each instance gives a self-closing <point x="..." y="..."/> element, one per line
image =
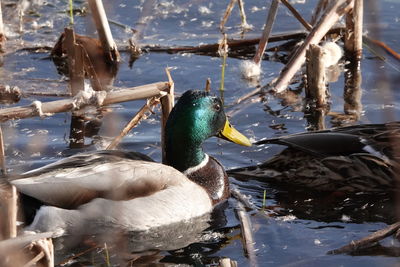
<point x="355" y="159"/>
<point x="126" y="189"/>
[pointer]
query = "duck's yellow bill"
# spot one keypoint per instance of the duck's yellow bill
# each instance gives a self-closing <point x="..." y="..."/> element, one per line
<point x="231" y="134"/>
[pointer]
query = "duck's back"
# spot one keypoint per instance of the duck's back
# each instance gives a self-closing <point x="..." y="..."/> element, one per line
<point x="110" y="187"/>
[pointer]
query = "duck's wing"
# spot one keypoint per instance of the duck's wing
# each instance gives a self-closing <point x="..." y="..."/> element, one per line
<point x="374" y="139"/>
<point x="320" y="143"/>
<point x="87" y="159"/>
<point x="64" y="184"/>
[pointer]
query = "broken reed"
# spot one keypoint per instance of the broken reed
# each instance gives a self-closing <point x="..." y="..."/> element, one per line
<point x="223" y="51"/>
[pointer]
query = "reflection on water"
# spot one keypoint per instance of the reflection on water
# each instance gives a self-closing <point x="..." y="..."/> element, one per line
<point x="301" y="226"/>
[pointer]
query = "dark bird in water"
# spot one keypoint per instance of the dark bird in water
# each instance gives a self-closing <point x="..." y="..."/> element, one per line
<point x="360" y="158"/>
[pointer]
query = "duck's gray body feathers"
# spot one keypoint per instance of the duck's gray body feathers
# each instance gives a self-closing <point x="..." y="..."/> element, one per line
<point x="130" y="194"/>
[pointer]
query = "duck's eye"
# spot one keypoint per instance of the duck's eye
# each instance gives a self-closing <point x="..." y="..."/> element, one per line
<point x="217" y="107"/>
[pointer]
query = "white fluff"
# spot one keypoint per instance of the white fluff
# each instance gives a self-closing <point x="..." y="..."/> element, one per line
<point x="333" y="53"/>
<point x="250" y="69"/>
<point x="88" y="97"/>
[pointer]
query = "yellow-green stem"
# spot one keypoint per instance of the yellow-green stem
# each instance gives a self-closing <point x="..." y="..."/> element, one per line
<point x="221" y="87"/>
<point x="71" y="12"/>
<point x="264" y="199"/>
<point x="108" y="264"/>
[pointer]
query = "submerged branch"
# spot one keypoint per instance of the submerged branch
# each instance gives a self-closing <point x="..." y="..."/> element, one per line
<point x="368" y="240"/>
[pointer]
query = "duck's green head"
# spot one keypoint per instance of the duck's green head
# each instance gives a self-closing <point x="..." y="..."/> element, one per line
<point x="196" y="117"/>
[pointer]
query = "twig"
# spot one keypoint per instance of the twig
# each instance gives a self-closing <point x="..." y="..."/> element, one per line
<point x="226" y="15"/>
<point x="207" y="48"/>
<point x="2" y="33"/>
<point x="2" y="154"/>
<point x="90" y="70"/>
<point x="103" y="29"/>
<point x="134" y="121"/>
<point x="368" y="240"/>
<point x="13" y="210"/>
<point x="247" y="235"/>
<point x="35" y="260"/>
<point x="141" y="24"/>
<point x="226" y="262"/>
<point x="107" y="255"/>
<point x="75" y="62"/>
<point x="247" y="96"/>
<point x="223" y="51"/>
<point x="44" y="94"/>
<point x="316" y="79"/>
<point x="46" y="248"/>
<point x="330" y="17"/>
<point x="372" y="43"/>
<point x="8" y="211"/>
<point x="245" y="25"/>
<point x="136" y="93"/>
<point x="321" y="6"/>
<point x="243" y="199"/>
<point x="297" y="15"/>
<point x="146" y="16"/>
<point x="353" y="36"/>
<point x="76" y="255"/>
<point x="266" y="32"/>
<point x="208" y="85"/>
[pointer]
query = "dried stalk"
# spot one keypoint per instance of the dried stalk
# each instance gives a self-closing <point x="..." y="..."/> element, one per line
<point x="226" y="15"/>
<point x="75" y="62"/>
<point x="223" y="51"/>
<point x="13" y="210"/>
<point x="90" y="70"/>
<point x="208" y="85"/>
<point x="134" y="121"/>
<point x="140" y="26"/>
<point x="297" y="15"/>
<point x="49" y="108"/>
<point x="316" y="79"/>
<point x="353" y="36"/>
<point x="167" y="103"/>
<point x="226" y="262"/>
<point x="2" y="154"/>
<point x="9" y="245"/>
<point x="207" y="48"/>
<point x="245" y="25"/>
<point x="8" y="211"/>
<point x="35" y="260"/>
<point x="262" y="45"/>
<point x="316" y="119"/>
<point x="248" y="95"/>
<point x="368" y="240"/>
<point x="77" y="255"/>
<point x="321" y="6"/>
<point x="331" y="16"/>
<point x="243" y="199"/>
<point x="247" y="235"/>
<point x="103" y="29"/>
<point x="44" y="94"/>
<point x="2" y="33"/>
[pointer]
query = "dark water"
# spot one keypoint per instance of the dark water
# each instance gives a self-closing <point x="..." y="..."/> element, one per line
<point x="301" y="228"/>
